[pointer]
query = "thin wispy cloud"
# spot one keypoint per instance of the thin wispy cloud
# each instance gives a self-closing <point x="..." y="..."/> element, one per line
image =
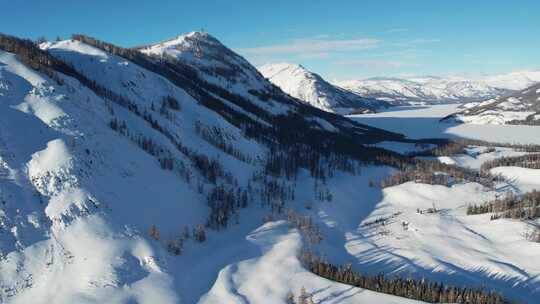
<point x="374" y="64"/>
<point x="396" y="30"/>
<point x="319" y="45"/>
<point x="321" y="55"/>
<point x="346" y="56"/>
<point x="415" y="42"/>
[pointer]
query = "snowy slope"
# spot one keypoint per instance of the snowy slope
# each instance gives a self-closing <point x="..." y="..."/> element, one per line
<point x="89" y="162"/>
<point x="278" y="263"/>
<point x="55" y="153"/>
<point x="78" y="197"/>
<point x="217" y="63"/>
<point x="229" y="72"/>
<point x="298" y="82"/>
<point x="522" y="107"/>
<point x="428" y="90"/>
<point x="447" y="244"/>
<point x="475" y="156"/>
<point x="514" y="81"/>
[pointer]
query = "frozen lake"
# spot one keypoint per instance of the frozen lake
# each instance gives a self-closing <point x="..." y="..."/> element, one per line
<point x="423" y="122"/>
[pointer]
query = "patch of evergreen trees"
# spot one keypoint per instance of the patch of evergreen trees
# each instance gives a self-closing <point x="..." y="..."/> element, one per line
<point x="422" y="290"/>
<point x="29" y="53"/>
<point x="220" y="139"/>
<point x="530" y="161"/>
<point x="435" y="173"/>
<point x="525" y="207"/>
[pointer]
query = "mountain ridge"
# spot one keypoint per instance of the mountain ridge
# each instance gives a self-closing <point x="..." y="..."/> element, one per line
<point x="310" y="87"/>
<point x="439" y="89"/>
<point x="522" y="108"/>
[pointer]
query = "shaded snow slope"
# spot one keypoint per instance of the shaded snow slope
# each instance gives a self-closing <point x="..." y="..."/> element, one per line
<point x="524" y="179"/>
<point x="83" y="178"/>
<point x="447" y="244"/>
<point x="276" y="272"/>
<point x="231" y="73"/>
<point x="53" y="157"/>
<point x="311" y="88"/>
<point x="78" y="197"/>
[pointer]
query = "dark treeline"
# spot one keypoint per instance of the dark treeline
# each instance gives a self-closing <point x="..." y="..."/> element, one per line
<point x="305" y="147"/>
<point x="166" y="104"/>
<point x="221" y="140"/>
<point x="445" y="149"/>
<point x="175" y="243"/>
<point x="271" y="191"/>
<point x="458" y="146"/>
<point x="531" y="161"/>
<point x="288" y="160"/>
<point x="434" y="173"/>
<point x="224" y="201"/>
<point x="309" y="230"/>
<point x="209" y="168"/>
<point x="517" y="147"/>
<point x="163" y="155"/>
<point x="422" y="290"/>
<point x="529" y="121"/>
<point x="31" y="55"/>
<point x="481" y="143"/>
<point x="525" y="207"/>
<point x="347" y="142"/>
<point x="292" y="140"/>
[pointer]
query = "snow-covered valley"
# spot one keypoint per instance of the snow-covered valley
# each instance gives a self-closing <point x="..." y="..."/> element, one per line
<point x="176" y="173"/>
<point x="425" y="122"/>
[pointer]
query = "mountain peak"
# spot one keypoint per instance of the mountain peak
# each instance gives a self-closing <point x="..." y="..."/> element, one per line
<point x="199" y="36"/>
<point x="310" y="87"/>
<point x="271" y="69"/>
<point x="183" y="42"/>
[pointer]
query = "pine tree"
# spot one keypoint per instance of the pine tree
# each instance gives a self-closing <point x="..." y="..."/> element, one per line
<point x="290" y="298"/>
<point x="199" y="233"/>
<point x="303" y="297"/>
<point x="154" y="232"/>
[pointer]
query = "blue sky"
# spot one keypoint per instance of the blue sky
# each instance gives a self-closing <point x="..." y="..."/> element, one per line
<point x="338" y="39"/>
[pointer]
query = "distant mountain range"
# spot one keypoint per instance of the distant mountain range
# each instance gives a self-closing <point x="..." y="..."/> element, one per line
<point x="373" y="94"/>
<point x="311" y="88"/>
<point x="522" y="107"/>
<point x="434" y="90"/>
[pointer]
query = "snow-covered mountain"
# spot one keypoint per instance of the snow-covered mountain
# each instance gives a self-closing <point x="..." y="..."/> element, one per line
<point x="514" y="81"/>
<point x="179" y="174"/>
<point x="428" y="90"/>
<point x="298" y="82"/>
<point x="218" y="63"/>
<point x="126" y="178"/>
<point x="522" y="107"/>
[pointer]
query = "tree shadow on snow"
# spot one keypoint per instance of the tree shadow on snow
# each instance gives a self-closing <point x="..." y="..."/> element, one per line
<point x="384" y="259"/>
